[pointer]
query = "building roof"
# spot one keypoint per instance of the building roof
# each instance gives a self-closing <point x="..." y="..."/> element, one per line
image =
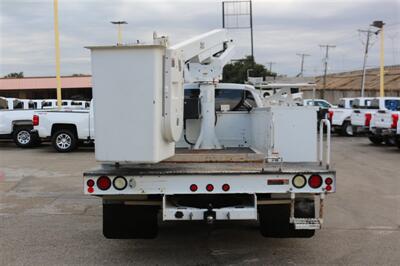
<point x="31" y="83"/>
<point x="352" y="80"/>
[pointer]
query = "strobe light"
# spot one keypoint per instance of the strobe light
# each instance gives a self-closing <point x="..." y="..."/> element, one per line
<point x="120" y="183"/>
<point x="299" y="181"/>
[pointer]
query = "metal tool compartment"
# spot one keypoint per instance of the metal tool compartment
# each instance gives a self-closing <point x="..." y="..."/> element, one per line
<point x="128" y="102"/>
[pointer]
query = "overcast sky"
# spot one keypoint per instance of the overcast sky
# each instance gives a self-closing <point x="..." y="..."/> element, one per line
<point x="282" y="28"/>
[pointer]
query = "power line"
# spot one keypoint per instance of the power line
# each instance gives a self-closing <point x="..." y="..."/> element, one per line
<point x="326" y="46"/>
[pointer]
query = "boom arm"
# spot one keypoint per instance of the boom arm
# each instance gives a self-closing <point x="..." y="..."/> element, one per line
<point x="204" y="57"/>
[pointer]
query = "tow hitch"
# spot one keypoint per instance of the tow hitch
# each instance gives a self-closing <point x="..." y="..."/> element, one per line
<point x="210" y="215"/>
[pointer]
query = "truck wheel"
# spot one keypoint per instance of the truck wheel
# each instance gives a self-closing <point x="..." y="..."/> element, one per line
<point x="274" y="219"/>
<point x="22" y="137"/>
<point x="129" y="222"/>
<point x="376" y="139"/>
<point x="390" y="141"/>
<point x="347" y="129"/>
<point x="64" y="141"/>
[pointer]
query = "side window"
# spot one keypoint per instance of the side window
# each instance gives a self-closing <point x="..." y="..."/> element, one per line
<point x="32" y="105"/>
<point x="18" y="105"/>
<point x="392" y="105"/>
<point x="374" y="104"/>
<point x="64" y="103"/>
<point x="294" y="90"/>
<point x="192" y="93"/>
<point x="323" y="104"/>
<point x="341" y="104"/>
<point x="238" y="100"/>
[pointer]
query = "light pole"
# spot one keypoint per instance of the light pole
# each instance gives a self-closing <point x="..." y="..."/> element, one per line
<point x="379" y="24"/>
<point x="57" y="46"/>
<point x="119" y="23"/>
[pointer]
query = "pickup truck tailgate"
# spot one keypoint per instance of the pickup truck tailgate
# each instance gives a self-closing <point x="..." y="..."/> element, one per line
<point x="358" y="118"/>
<point x="384" y="119"/>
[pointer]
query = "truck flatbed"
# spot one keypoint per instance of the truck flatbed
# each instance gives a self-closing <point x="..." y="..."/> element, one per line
<point x="215" y="162"/>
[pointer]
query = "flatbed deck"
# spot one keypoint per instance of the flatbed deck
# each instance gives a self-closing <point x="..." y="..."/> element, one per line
<point x="215" y="162"/>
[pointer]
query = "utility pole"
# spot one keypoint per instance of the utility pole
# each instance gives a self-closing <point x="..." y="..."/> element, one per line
<point x="326" y="46"/>
<point x="379" y="24"/>
<point x="369" y="33"/>
<point x="119" y="24"/>
<point x="270" y="65"/>
<point x="302" y="64"/>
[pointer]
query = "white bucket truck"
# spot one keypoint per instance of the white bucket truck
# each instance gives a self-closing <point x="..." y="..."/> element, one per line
<point x="234" y="161"/>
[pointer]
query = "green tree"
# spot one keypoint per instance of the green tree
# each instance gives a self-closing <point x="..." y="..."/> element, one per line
<point x="236" y="72"/>
<point x="14" y="75"/>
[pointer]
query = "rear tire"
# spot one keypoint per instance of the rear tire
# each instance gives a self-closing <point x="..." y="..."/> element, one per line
<point x="347" y="129"/>
<point x="390" y="141"/>
<point x="274" y="219"/>
<point x="22" y="137"/>
<point x="64" y="140"/>
<point x="376" y="139"/>
<point x="129" y="222"/>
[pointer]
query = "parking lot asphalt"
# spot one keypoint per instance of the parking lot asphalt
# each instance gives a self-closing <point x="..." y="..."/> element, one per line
<point x="46" y="220"/>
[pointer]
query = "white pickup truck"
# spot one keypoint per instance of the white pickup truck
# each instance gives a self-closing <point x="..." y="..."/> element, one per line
<point x="65" y="128"/>
<point x="340" y="117"/>
<point x="16" y="121"/>
<point x="384" y="122"/>
<point x="370" y="118"/>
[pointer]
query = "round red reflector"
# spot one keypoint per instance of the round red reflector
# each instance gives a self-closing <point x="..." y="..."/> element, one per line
<point x="193" y="187"/>
<point x="90" y="189"/>
<point x="90" y="183"/>
<point x="328" y="181"/>
<point x="315" y="181"/>
<point x="328" y="188"/>
<point x="209" y="187"/>
<point x="225" y="187"/>
<point x="104" y="182"/>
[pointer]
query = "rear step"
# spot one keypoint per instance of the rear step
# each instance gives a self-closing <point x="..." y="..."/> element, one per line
<point x="306" y="223"/>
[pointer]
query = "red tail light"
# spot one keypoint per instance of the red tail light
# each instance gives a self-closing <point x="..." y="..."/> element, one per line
<point x="225" y="187"/>
<point x="395" y="119"/>
<point x="90" y="183"/>
<point x="368" y="117"/>
<point x="209" y="187"/>
<point x="315" y="181"/>
<point x="330" y="115"/>
<point x="35" y="120"/>
<point x="193" y="187"/>
<point x="103" y="183"/>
